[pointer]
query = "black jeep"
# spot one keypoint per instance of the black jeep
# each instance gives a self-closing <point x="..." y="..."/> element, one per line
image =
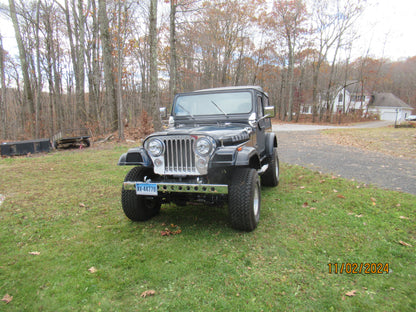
<point x="217" y="144"/>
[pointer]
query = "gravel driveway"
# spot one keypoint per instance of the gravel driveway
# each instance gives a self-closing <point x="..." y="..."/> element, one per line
<point x="304" y="145"/>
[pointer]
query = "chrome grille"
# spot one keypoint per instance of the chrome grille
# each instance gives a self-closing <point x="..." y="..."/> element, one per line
<point x="179" y="155"/>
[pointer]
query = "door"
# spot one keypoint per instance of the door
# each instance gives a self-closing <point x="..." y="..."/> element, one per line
<point x="261" y="127"/>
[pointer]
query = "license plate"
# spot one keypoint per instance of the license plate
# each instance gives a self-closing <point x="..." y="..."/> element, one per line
<point x="146" y="189"/>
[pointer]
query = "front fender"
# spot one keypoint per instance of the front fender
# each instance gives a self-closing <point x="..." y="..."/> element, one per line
<point x="248" y="156"/>
<point x="135" y="157"/>
<point x="271" y="142"/>
<point x="227" y="156"/>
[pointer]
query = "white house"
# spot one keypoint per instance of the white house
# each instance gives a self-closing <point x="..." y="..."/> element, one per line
<point x="348" y="98"/>
<point x="389" y="107"/>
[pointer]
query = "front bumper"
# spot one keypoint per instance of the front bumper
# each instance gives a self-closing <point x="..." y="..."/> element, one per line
<point x="183" y="188"/>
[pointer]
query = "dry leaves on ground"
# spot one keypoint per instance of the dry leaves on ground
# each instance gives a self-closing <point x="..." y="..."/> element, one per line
<point x="7" y="298"/>
<point x="148" y="293"/>
<point x="405" y="244"/>
<point x="351" y="293"/>
<point x="168" y="232"/>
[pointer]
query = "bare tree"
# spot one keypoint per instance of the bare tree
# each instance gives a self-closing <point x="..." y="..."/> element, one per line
<point x="153" y="65"/>
<point x="288" y="19"/>
<point x="173" y="55"/>
<point x="108" y="63"/>
<point x="23" y="58"/>
<point x="3" y="89"/>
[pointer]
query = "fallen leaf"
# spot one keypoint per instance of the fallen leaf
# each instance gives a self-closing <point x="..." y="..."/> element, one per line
<point x="405" y="244"/>
<point x="168" y="232"/>
<point x="92" y="270"/>
<point x="359" y="216"/>
<point x="82" y="205"/>
<point x="341" y="196"/>
<point x="403" y="217"/>
<point x="351" y="293"/>
<point x="305" y="204"/>
<point x="7" y="298"/>
<point x="309" y="192"/>
<point x="373" y="199"/>
<point x="34" y="253"/>
<point x="335" y="191"/>
<point x="165" y="233"/>
<point x="312" y="208"/>
<point x="302" y="187"/>
<point x="148" y="293"/>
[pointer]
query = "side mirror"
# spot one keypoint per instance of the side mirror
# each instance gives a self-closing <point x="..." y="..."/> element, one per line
<point x="163" y="112"/>
<point x="270" y="111"/>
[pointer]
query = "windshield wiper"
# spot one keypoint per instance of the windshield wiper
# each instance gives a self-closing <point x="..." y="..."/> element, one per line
<point x="186" y="111"/>
<point x="219" y="108"/>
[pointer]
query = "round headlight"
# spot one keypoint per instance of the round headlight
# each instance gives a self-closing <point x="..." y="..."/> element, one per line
<point x="203" y="147"/>
<point x="155" y="147"/>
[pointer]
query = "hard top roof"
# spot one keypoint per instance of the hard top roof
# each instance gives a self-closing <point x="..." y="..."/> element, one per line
<point x="232" y="88"/>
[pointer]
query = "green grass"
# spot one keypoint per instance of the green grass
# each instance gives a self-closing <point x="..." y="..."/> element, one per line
<point x="66" y="206"/>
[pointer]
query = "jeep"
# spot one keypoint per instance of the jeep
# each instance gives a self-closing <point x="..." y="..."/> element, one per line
<point x="218" y="148"/>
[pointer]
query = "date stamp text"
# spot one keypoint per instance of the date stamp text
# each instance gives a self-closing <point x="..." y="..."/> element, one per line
<point x="358" y="268"/>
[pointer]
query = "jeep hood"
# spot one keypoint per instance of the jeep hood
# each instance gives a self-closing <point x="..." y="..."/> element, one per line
<point x="225" y="134"/>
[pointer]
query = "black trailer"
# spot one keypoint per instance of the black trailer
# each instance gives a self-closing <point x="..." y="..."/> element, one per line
<point x="72" y="138"/>
<point x="25" y="147"/>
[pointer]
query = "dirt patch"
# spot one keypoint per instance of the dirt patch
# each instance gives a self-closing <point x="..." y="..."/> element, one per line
<point x="398" y="142"/>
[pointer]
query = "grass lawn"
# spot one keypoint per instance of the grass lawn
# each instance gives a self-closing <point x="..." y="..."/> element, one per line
<point x="399" y="142"/>
<point x="67" y="246"/>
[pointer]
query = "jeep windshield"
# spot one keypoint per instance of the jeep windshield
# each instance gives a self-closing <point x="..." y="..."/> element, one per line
<point x="224" y="104"/>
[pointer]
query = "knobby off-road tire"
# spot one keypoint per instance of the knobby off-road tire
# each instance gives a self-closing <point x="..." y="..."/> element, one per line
<point x="271" y="176"/>
<point x="138" y="207"/>
<point x="244" y="199"/>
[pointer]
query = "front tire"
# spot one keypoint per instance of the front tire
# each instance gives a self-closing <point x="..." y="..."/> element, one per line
<point x="244" y="199"/>
<point x="138" y="207"/>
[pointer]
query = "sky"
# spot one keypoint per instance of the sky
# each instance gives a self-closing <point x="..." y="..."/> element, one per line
<point x="386" y="29"/>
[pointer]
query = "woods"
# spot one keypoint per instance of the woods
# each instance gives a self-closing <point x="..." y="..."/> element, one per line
<point x="108" y="64"/>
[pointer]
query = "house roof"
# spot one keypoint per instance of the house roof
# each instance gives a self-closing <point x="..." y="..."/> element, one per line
<point x="387" y="100"/>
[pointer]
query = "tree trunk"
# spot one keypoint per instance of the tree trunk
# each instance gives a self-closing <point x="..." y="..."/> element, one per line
<point x="111" y="101"/>
<point x="3" y="91"/>
<point x="28" y="94"/>
<point x="153" y="66"/>
<point x="173" y="56"/>
<point x="49" y="73"/>
<point x="290" y="81"/>
<point x="120" y="46"/>
<point x="80" y="84"/>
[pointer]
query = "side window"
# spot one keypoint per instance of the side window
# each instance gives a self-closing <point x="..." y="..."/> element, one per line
<point x="259" y="107"/>
<point x="265" y="101"/>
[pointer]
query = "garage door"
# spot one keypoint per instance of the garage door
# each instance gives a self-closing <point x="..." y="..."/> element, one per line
<point x="388" y="116"/>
